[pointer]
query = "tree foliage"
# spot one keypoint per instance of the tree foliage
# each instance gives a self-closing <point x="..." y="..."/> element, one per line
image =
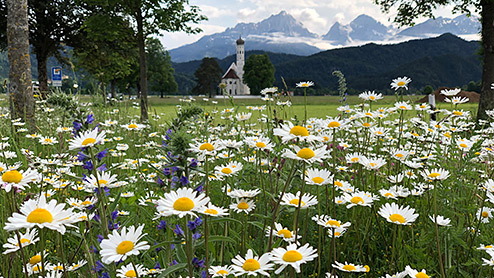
<point x="160" y="69"/>
<point x="208" y="76"/>
<point x="258" y="73"/>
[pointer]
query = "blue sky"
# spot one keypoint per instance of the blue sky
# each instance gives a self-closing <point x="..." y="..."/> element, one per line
<point x="316" y="15"/>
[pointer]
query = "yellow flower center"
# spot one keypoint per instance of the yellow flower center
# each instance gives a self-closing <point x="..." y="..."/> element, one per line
<point x="334" y="124"/>
<point x="337" y="233"/>
<point x="40" y="216"/>
<point x="318" y="180"/>
<point x="421" y="275"/>
<point x="206" y="146"/>
<point x="35" y="259"/>
<point x="401" y="83"/>
<point x="251" y="265"/>
<point x="286" y="233"/>
<point x="48" y="140"/>
<point x="366" y="124"/>
<point x="12" y="176"/>
<point x="296" y="201"/>
<point x="339" y="184"/>
<point x="403" y="107"/>
<point x="463" y="145"/>
<point x="243" y="205"/>
<point x="86" y="203"/>
<point x="485" y="214"/>
<point x="354" y="160"/>
<point x="130" y="273"/>
<point x="458" y="113"/>
<point x="388" y="195"/>
<point x="24" y="241"/>
<point x="226" y="171"/>
<point x="222" y="272"/>
<point x="183" y="204"/>
<point x="260" y="145"/>
<point x="397" y="218"/>
<point x="488" y="246"/>
<point x="333" y="223"/>
<point x="299" y="131"/>
<point x="292" y="256"/>
<point x="372" y="97"/>
<point x="211" y="211"/>
<point x="326" y="138"/>
<point x="399" y="155"/>
<point x="132" y="126"/>
<point x="88" y="141"/>
<point x="434" y="175"/>
<point x="37" y="268"/>
<point x="124" y="247"/>
<point x="349" y="267"/>
<point x="356" y="200"/>
<point x="306" y="153"/>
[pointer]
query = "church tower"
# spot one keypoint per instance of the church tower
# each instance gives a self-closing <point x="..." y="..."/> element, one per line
<point x="240" y="57"/>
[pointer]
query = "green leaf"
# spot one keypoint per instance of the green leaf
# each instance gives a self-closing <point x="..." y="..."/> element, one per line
<point x="172" y="269"/>
<point x="217" y="239"/>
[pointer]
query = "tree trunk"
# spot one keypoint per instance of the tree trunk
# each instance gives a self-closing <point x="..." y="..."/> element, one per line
<point x="20" y="86"/>
<point x="486" y="92"/>
<point x="42" y="59"/>
<point x="112" y="88"/>
<point x="142" y="66"/>
<point x="161" y="94"/>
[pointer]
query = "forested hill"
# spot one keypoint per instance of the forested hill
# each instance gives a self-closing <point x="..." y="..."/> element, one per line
<point x="443" y="61"/>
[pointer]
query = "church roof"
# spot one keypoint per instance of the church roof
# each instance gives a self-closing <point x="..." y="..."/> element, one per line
<point x="231" y="74"/>
<point x="240" y="41"/>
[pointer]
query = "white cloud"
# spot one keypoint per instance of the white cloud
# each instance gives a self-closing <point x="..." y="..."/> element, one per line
<point x="213" y="12"/>
<point x="310" y="19"/>
<point x="176" y="39"/>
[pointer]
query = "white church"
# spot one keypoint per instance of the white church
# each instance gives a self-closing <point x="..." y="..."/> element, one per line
<point x="233" y="78"/>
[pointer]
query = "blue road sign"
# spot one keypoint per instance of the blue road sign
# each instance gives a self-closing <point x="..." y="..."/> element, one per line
<point x="56" y="76"/>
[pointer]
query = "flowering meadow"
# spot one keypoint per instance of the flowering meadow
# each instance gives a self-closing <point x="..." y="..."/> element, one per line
<point x="400" y="191"/>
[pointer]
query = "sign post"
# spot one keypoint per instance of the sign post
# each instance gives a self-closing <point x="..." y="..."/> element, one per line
<point x="56" y="76"/>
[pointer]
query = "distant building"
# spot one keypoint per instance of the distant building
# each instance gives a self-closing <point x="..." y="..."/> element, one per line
<point x="233" y="78"/>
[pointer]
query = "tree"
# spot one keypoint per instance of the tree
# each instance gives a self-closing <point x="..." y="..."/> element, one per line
<point x="408" y="10"/>
<point x="108" y="51"/>
<point x="258" y="73"/>
<point x="160" y="68"/>
<point x="53" y="24"/>
<point x="428" y="90"/>
<point x="151" y="17"/>
<point x="208" y="76"/>
<point x="20" y="87"/>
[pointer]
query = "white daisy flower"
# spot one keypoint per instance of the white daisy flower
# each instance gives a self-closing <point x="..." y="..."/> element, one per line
<point x="450" y="92"/>
<point x="485" y="214"/>
<point x="41" y="214"/>
<point x="416" y="274"/>
<point x="305" y="84"/>
<point x="360" y="198"/>
<point x="77" y="265"/>
<point x="119" y="246"/>
<point x="252" y="265"/>
<point x="18" y="179"/>
<point x="289" y="132"/>
<point x="282" y="232"/>
<point x="105" y="179"/>
<point x="228" y="170"/>
<point x="400" y="82"/>
<point x="290" y="199"/>
<point x="184" y="201"/>
<point x="28" y="238"/>
<point x="348" y="267"/>
<point x="307" y="154"/>
<point x="220" y="271"/>
<point x="435" y="174"/>
<point x="127" y="271"/>
<point x="243" y="205"/>
<point x="133" y="126"/>
<point x="398" y="214"/>
<point x="240" y="193"/>
<point x="441" y="220"/>
<point x="213" y="210"/>
<point x="86" y="139"/>
<point x="292" y="256"/>
<point x="318" y="176"/>
<point x="327" y="222"/>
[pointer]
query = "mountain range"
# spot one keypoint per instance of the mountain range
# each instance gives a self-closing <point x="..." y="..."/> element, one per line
<point x="446" y="60"/>
<point x="282" y="33"/>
